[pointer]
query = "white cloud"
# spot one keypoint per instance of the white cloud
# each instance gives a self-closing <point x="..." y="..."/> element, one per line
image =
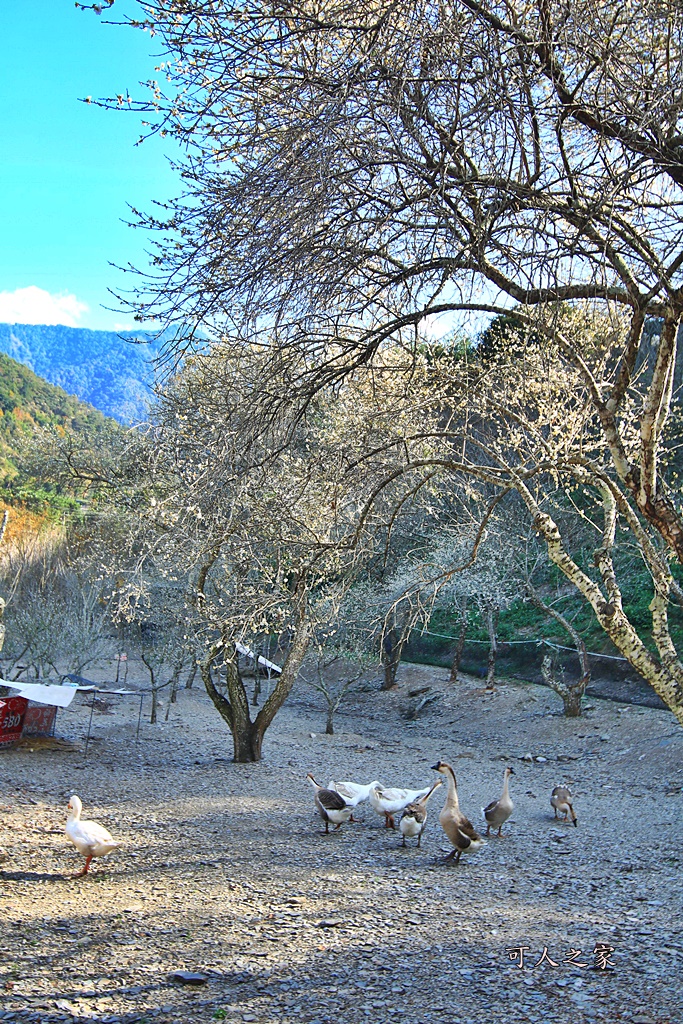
<point x="34" y="305"/>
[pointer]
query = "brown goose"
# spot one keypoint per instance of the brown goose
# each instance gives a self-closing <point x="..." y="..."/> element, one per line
<point x="414" y="817"/>
<point x="331" y="806"/>
<point x="498" y="811"/>
<point x="561" y="800"/>
<point x="458" y="828"/>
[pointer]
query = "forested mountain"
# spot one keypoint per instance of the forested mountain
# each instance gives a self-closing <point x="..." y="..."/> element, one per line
<point x="106" y="369"/>
<point x="26" y="402"/>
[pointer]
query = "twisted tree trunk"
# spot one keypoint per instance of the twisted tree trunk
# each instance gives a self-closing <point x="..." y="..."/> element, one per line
<point x="664" y="672"/>
<point x="571" y="693"/>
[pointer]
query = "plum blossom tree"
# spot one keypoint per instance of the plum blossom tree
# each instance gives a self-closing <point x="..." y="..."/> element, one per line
<point x="356" y="171"/>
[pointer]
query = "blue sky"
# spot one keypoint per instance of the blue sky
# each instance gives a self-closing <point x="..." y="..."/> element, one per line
<point x="68" y="169"/>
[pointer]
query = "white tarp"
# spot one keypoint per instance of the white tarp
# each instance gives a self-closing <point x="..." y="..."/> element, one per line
<point x="41" y="693"/>
<point x="261" y="660"/>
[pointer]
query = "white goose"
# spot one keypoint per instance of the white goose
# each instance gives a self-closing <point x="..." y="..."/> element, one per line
<point x="89" y="838"/>
<point x="352" y="792"/>
<point x="389" y="802"/>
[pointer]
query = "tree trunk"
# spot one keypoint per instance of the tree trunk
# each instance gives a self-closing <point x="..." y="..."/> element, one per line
<point x="329" y="726"/>
<point x="247" y="736"/>
<point x="286" y="679"/>
<point x="460" y="646"/>
<point x="392" y="648"/>
<point x="257" y="681"/>
<point x="190" y="678"/>
<point x="247" y="743"/>
<point x="571" y="693"/>
<point x="492" y="624"/>
<point x="174" y="683"/>
<point x="175" y="678"/>
<point x="153" y="682"/>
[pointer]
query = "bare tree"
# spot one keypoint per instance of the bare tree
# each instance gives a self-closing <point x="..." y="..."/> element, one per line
<point x="247" y="549"/>
<point x="333" y="685"/>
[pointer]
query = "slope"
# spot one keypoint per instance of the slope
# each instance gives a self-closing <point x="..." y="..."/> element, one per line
<point x="28" y="402"/>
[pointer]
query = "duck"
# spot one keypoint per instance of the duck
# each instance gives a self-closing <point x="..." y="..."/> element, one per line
<point x="414" y="818"/>
<point x="90" y="838"/>
<point x="330" y="805"/>
<point x="458" y="828"/>
<point x="389" y="802"/>
<point x="498" y="811"/>
<point x="561" y="800"/>
<point x="352" y="792"/>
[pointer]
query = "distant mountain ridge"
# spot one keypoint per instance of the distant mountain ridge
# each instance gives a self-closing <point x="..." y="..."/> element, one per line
<point x="106" y="369"/>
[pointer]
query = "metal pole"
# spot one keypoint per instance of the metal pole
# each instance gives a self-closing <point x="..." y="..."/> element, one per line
<point x="137" y="734"/>
<point x="87" y="739"/>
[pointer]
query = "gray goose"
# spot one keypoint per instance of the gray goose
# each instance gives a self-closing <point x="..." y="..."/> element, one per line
<point x="561" y="800"/>
<point x="414" y="818"/>
<point x="458" y="828"/>
<point x="498" y="811"/>
<point x="332" y="807"/>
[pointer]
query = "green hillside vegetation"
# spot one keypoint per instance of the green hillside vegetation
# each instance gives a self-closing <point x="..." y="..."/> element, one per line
<point x="522" y="621"/>
<point x="27" y="403"/>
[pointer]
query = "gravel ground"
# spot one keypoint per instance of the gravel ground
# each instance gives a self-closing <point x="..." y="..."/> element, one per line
<point x="224" y="869"/>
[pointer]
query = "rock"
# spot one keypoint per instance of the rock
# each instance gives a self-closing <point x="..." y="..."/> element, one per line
<point x="189" y="977"/>
<point x="541" y="760"/>
<point x="527" y="757"/>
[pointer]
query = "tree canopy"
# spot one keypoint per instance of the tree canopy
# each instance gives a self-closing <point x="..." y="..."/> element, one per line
<point x="358" y="177"/>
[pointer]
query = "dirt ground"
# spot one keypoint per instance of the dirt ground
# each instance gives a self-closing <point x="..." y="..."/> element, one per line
<point x="224" y="870"/>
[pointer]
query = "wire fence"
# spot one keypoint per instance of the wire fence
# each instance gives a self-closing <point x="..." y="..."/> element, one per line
<point x="540" y="642"/>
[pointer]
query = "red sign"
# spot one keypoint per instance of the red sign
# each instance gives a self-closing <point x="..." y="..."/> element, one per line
<point x="39" y="719"/>
<point x="12" y="711"/>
